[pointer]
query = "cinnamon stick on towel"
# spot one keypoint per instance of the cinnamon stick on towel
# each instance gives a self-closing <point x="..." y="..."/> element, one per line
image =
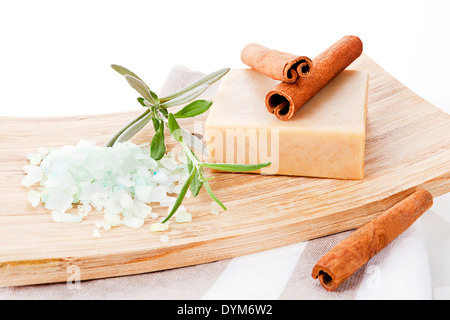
<point x="287" y="98"/>
<point x="352" y="253"/>
<point x="276" y="64"/>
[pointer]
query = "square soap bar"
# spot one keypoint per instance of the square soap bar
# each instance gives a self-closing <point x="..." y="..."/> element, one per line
<point x="325" y="138"/>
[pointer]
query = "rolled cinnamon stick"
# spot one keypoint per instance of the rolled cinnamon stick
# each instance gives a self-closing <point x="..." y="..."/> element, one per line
<point x="352" y="253"/>
<point x="276" y="64"/>
<point x="287" y="98"/>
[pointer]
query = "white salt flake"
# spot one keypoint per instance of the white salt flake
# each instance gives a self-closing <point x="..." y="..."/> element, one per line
<point x="133" y="222"/>
<point x="112" y="220"/>
<point x="158" y="226"/>
<point x="126" y="201"/>
<point x="84" y="209"/>
<point x="168" y="163"/>
<point x="35" y="158"/>
<point x="96" y="233"/>
<point x="164" y="238"/>
<point x="122" y="180"/>
<point x="215" y="208"/>
<point x="99" y="224"/>
<point x="143" y="192"/>
<point x="34" y="197"/>
<point x="60" y="167"/>
<point x="215" y="211"/>
<point x="61" y="216"/>
<point x="126" y="180"/>
<point x="153" y="215"/>
<point x="182" y="215"/>
<point x="58" y="200"/>
<point x="34" y="175"/>
<point x="160" y="177"/>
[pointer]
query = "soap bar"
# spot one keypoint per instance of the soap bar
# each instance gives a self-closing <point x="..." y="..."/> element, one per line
<point x="326" y="138"/>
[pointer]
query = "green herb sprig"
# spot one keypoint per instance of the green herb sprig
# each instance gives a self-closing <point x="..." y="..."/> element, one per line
<point x="157" y="112"/>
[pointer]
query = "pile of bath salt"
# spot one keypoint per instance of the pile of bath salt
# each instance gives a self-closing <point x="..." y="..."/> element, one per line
<point x="122" y="181"/>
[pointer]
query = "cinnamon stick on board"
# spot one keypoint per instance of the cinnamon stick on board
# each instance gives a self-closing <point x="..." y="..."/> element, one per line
<point x="287" y="98"/>
<point x="352" y="253"/>
<point x="276" y="64"/>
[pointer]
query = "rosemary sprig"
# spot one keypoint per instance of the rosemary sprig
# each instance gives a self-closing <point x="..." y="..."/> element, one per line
<point x="157" y="112"/>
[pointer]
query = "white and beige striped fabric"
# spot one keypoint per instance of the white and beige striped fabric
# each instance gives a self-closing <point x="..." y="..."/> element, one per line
<point x="400" y="271"/>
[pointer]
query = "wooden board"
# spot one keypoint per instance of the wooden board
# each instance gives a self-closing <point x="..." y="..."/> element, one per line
<point x="408" y="147"/>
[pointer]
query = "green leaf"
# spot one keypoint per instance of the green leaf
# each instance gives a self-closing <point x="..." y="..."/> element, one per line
<point x="141" y="101"/>
<point x="135" y="128"/>
<point x="181" y="195"/>
<point x="156" y="124"/>
<point x="124" y="71"/>
<point x="140" y="87"/>
<point x="113" y="139"/>
<point x="211" y="194"/>
<point x="193" y="109"/>
<point x="185" y="98"/>
<point x="174" y="128"/>
<point x="205" y="80"/>
<point x="196" y="183"/>
<point x="235" y="167"/>
<point x="158" y="146"/>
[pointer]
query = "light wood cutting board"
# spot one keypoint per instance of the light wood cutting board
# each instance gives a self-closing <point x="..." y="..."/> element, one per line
<point x="407" y="147"/>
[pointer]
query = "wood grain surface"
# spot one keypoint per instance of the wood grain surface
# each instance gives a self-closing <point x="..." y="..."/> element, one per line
<point x="407" y="147"/>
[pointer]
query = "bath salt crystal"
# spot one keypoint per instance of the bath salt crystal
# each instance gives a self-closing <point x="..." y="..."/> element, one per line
<point x="61" y="216"/>
<point x="126" y="180"/>
<point x="159" y="194"/>
<point x="167" y="202"/>
<point x="126" y="201"/>
<point x="143" y="171"/>
<point x="160" y="177"/>
<point x="164" y="238"/>
<point x="169" y="164"/>
<point x="58" y="200"/>
<point x="84" y="209"/>
<point x="182" y="215"/>
<point x="60" y="167"/>
<point x="112" y="219"/>
<point x="158" y="226"/>
<point x="99" y="224"/>
<point x="122" y="181"/>
<point x="96" y="233"/>
<point x="141" y="209"/>
<point x="35" y="158"/>
<point x="34" y="197"/>
<point x="133" y="222"/>
<point x="215" y="211"/>
<point x="154" y="215"/>
<point x="143" y="193"/>
<point x="34" y="175"/>
<point x="215" y="208"/>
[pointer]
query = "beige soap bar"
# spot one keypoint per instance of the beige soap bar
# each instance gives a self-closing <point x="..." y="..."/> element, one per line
<point x="325" y="138"/>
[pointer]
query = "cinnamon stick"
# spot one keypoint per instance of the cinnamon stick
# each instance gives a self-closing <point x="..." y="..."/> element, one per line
<point x="287" y="98"/>
<point x="352" y="253"/>
<point x="276" y="64"/>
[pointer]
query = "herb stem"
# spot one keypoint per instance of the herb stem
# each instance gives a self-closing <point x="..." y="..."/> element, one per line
<point x="181" y="195"/>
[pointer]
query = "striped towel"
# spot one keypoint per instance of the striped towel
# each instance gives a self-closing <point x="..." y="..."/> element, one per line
<point x="400" y="271"/>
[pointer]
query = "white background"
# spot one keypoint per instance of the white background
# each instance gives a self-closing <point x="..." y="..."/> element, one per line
<point x="55" y="55"/>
